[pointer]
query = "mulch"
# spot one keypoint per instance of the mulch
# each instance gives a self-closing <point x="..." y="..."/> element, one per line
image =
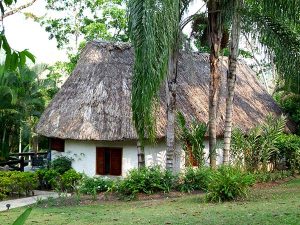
<point x="271" y="184"/>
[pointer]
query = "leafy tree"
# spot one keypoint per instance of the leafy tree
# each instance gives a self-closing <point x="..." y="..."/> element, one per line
<point x="79" y="20"/>
<point x="273" y="27"/>
<point x="21" y="108"/>
<point x="74" y="22"/>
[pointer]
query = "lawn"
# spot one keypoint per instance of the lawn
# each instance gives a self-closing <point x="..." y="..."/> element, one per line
<point x="272" y="205"/>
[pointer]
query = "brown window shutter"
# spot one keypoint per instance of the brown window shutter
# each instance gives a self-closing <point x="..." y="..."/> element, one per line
<point x="191" y="160"/>
<point x="100" y="161"/>
<point x="116" y="162"/>
<point x="57" y="144"/>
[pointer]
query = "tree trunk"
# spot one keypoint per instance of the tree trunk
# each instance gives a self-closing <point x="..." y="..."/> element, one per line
<point x="141" y="155"/>
<point x="215" y="34"/>
<point x="231" y="78"/>
<point x="172" y="157"/>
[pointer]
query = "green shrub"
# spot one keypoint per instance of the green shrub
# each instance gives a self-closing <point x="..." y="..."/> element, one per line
<point x="289" y="149"/>
<point x="97" y="184"/>
<point x="276" y="175"/>
<point x="52" y="178"/>
<point x="228" y="183"/>
<point x="17" y="183"/>
<point x="257" y="149"/>
<point x="4" y="186"/>
<point x="70" y="180"/>
<point x="192" y="137"/>
<point x="62" y="164"/>
<point x="195" y="179"/>
<point x="146" y="180"/>
<point x="290" y="103"/>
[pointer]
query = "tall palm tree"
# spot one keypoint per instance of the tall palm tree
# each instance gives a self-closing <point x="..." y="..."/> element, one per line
<point x="276" y="26"/>
<point x="152" y="25"/>
<point x="231" y="76"/>
<point x="155" y="31"/>
<point x="215" y="37"/>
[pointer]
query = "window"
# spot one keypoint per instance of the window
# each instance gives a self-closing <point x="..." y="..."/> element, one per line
<point x="109" y="161"/>
<point x="57" y="144"/>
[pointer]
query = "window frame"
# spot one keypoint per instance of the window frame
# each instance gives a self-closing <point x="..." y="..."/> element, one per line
<point x="116" y="153"/>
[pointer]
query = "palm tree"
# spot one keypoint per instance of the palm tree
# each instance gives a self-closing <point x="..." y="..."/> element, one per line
<point x="231" y="77"/>
<point x="215" y="37"/>
<point x="274" y="24"/>
<point x="155" y="31"/>
<point x="152" y="26"/>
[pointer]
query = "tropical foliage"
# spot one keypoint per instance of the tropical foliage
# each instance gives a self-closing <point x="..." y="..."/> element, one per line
<point x="24" y="95"/>
<point x="192" y="138"/>
<point x="15" y="183"/>
<point x="255" y="150"/>
<point x="152" y="29"/>
<point x="229" y="183"/>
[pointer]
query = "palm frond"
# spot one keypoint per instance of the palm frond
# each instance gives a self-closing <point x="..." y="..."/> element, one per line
<point x="282" y="38"/>
<point x="152" y="27"/>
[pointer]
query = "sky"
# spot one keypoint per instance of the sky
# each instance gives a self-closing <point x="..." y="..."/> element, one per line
<point x="26" y="34"/>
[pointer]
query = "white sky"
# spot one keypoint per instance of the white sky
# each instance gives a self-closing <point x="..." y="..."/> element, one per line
<point x="27" y="34"/>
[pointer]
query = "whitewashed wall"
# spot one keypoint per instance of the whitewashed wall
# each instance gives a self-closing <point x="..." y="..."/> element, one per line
<point x="84" y="155"/>
<point x="219" y="152"/>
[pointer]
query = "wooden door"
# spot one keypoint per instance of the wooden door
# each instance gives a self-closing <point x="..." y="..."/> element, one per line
<point x="100" y="161"/>
<point x="116" y="161"/>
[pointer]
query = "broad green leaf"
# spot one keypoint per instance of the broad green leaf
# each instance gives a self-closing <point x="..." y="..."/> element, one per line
<point x="8" y="2"/>
<point x="29" y="55"/>
<point x="6" y="46"/>
<point x="22" y="58"/>
<point x="23" y="217"/>
<point x="7" y="61"/>
<point x="14" y="61"/>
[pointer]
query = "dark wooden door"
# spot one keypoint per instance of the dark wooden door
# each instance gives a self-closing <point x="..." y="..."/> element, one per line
<point x="100" y="161"/>
<point x="116" y="161"/>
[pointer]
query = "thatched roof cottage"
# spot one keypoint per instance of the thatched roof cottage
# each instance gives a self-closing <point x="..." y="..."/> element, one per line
<point x="90" y="118"/>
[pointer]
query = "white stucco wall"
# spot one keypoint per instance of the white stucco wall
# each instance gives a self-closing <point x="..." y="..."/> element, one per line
<point x="219" y="152"/>
<point x="84" y="155"/>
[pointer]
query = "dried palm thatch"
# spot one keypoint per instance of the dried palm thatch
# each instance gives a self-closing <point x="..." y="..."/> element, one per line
<point x="94" y="103"/>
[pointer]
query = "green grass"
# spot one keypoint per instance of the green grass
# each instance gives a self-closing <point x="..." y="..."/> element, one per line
<point x="278" y="205"/>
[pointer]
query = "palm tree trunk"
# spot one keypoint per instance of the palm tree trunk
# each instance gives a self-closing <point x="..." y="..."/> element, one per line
<point x="231" y="78"/>
<point x="172" y="157"/>
<point x="141" y="155"/>
<point x="215" y="34"/>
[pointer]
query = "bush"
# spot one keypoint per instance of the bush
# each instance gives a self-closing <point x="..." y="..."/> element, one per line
<point x="267" y="177"/>
<point x="48" y="178"/>
<point x="228" y="183"/>
<point x="95" y="185"/>
<point x="17" y="183"/>
<point x="195" y="179"/>
<point x="258" y="148"/>
<point x="70" y="180"/>
<point x="52" y="179"/>
<point x="146" y="180"/>
<point x="61" y="164"/>
<point x="289" y="149"/>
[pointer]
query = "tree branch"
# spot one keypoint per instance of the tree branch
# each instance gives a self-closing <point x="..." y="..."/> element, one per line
<point x="187" y="20"/>
<point x="18" y="9"/>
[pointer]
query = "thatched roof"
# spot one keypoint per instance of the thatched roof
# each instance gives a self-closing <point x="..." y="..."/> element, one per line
<point x="94" y="103"/>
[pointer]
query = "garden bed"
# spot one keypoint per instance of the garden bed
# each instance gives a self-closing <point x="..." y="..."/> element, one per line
<point x="277" y="205"/>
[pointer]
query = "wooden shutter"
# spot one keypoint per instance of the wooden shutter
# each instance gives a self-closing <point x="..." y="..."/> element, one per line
<point x="191" y="160"/>
<point x="57" y="144"/>
<point x="116" y="161"/>
<point x="100" y="161"/>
